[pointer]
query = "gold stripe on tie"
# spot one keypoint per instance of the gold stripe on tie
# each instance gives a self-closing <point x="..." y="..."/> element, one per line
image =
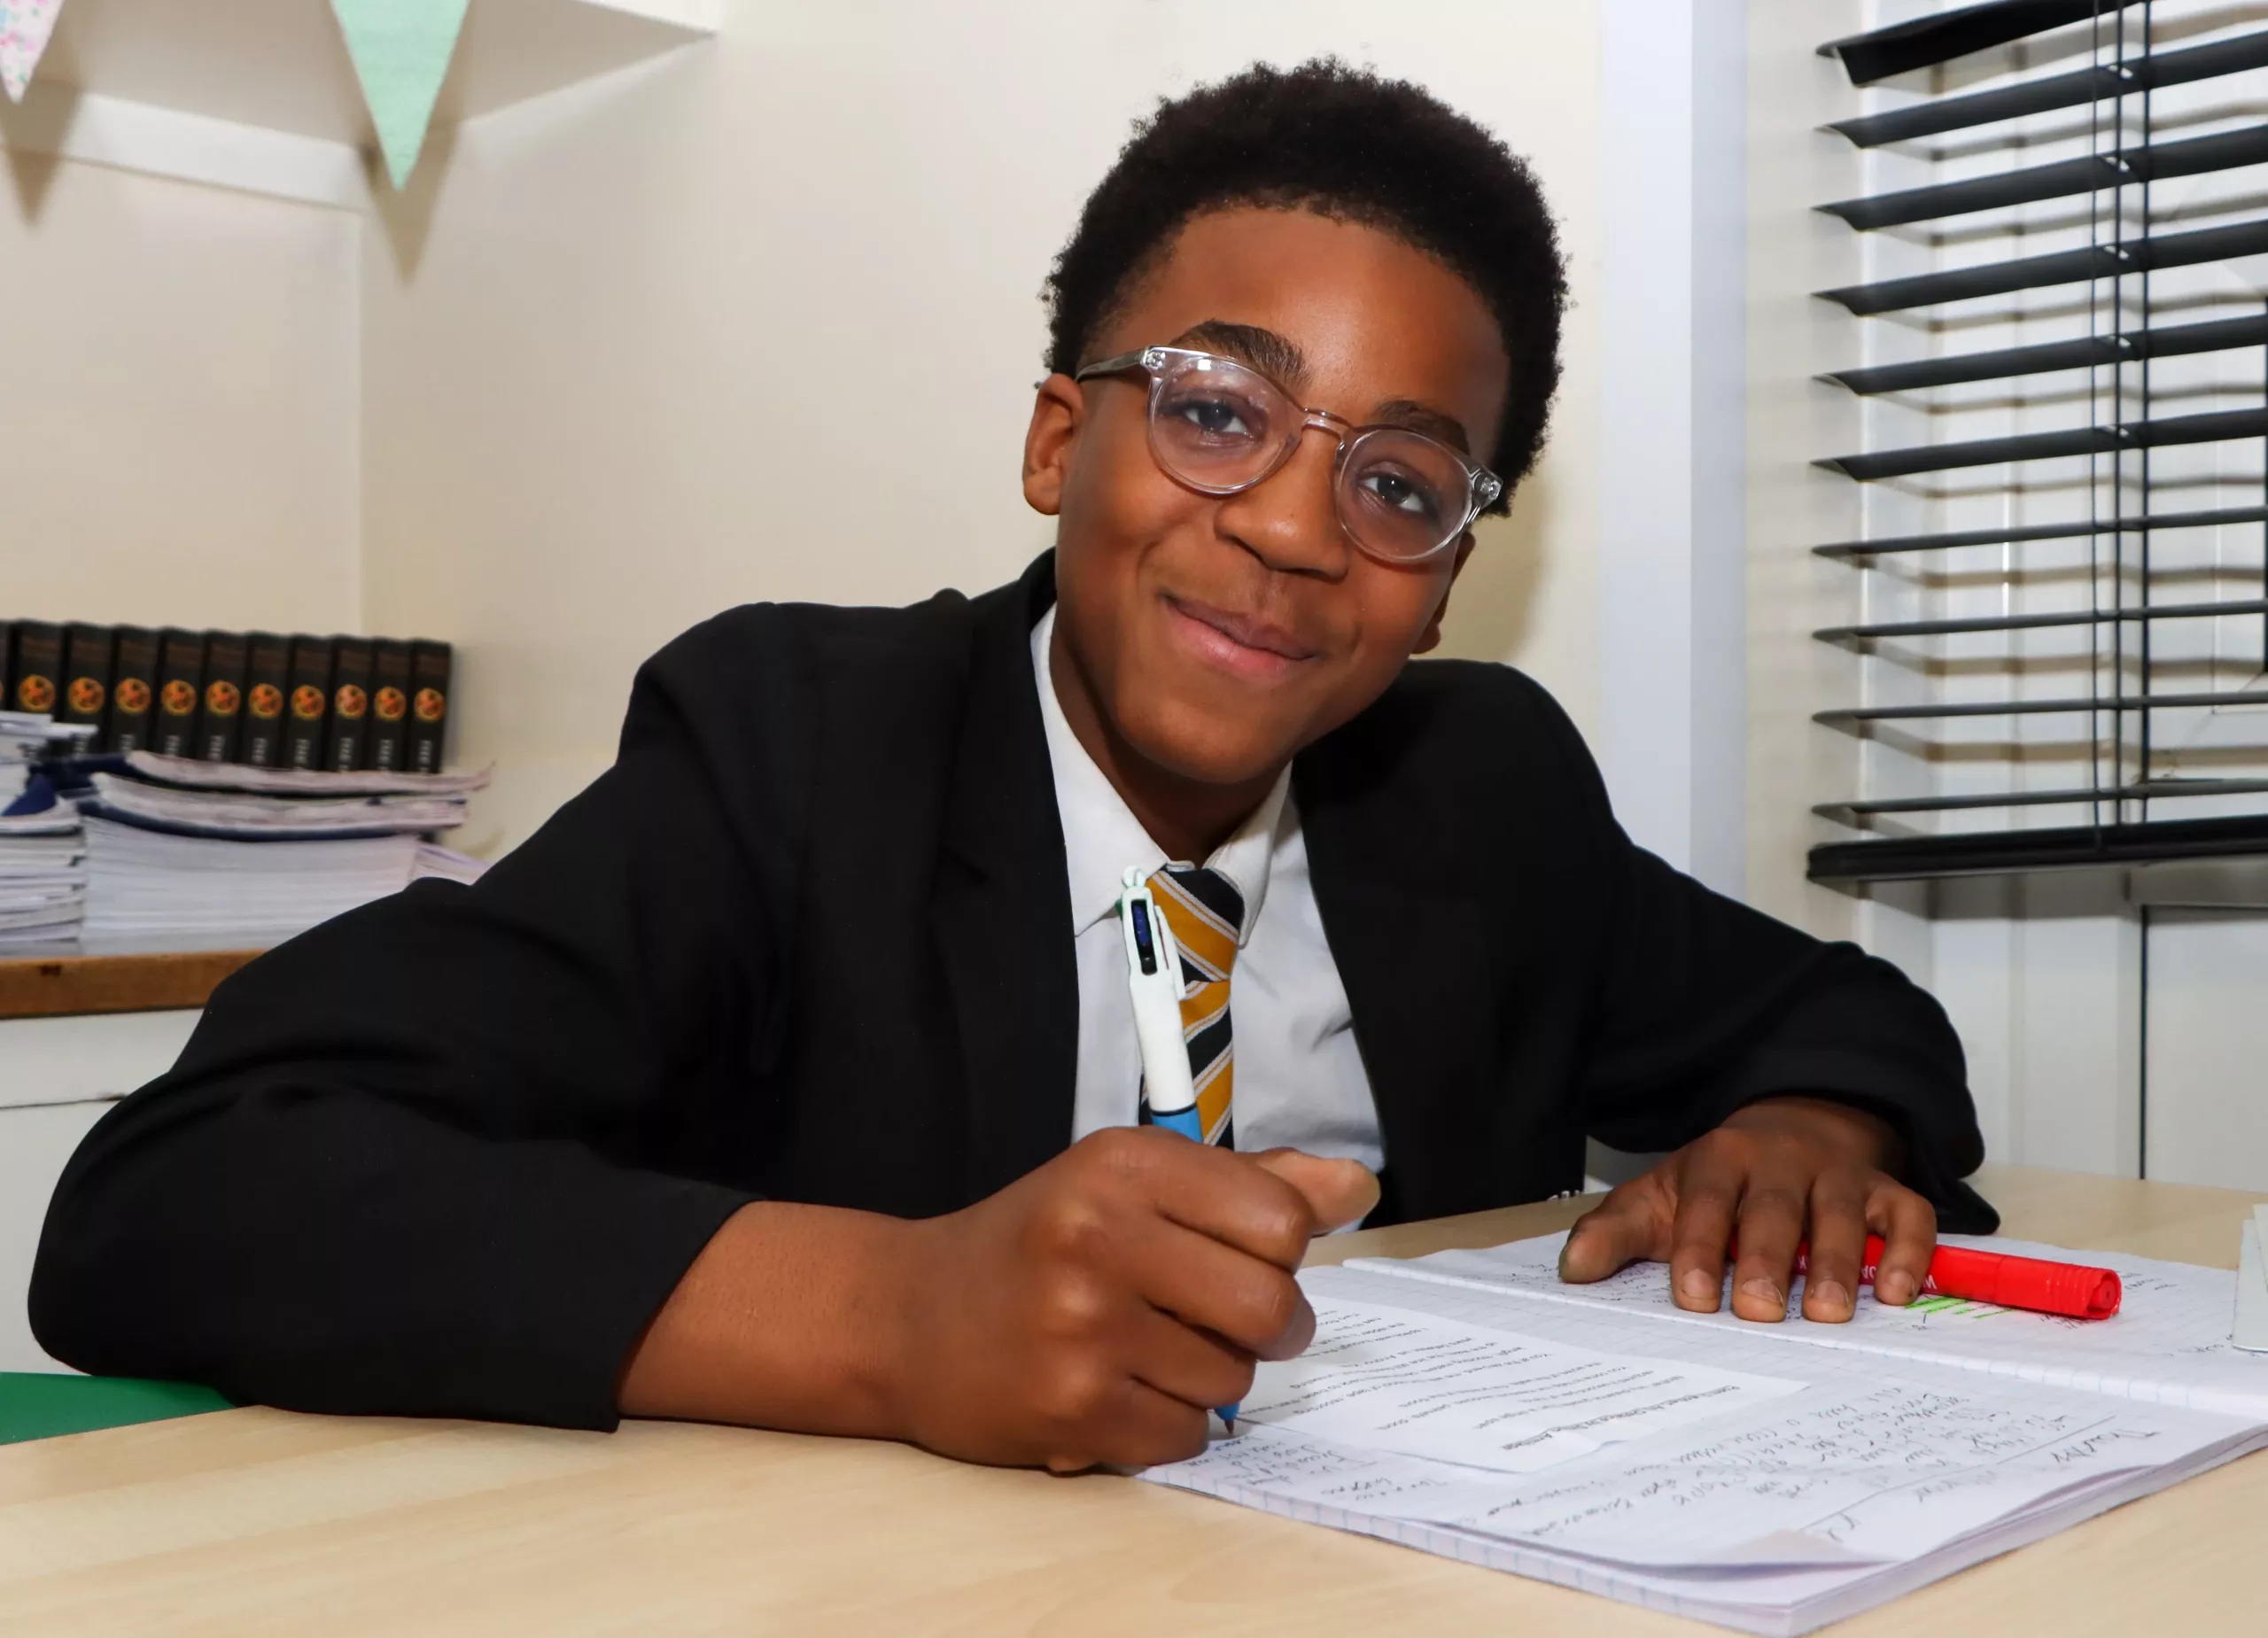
<point x="1205" y="911"/>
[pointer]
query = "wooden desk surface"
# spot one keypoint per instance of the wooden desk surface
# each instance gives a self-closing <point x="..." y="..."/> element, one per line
<point x="257" y="1521"/>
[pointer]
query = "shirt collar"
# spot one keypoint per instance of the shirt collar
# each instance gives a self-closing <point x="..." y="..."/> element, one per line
<point x="1101" y="836"/>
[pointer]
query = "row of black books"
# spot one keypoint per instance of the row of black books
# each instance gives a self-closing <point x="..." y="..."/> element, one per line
<point x="336" y="704"/>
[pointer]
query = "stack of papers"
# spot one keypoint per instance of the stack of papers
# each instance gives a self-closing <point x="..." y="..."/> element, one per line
<point x="1767" y="1477"/>
<point x="43" y="857"/>
<point x="148" y="889"/>
<point x="26" y="737"/>
<point x="181" y="798"/>
<point x="42" y="877"/>
<point x="184" y="854"/>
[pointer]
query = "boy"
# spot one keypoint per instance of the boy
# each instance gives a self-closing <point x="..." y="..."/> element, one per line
<point x="787" y="1075"/>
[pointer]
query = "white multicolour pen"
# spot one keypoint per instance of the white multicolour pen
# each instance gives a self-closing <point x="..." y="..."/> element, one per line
<point x="1154" y="981"/>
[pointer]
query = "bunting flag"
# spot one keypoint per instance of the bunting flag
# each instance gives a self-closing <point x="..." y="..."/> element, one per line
<point x="401" y="50"/>
<point x="25" y="25"/>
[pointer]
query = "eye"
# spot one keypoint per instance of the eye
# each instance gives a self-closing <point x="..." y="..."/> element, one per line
<point x="1399" y="491"/>
<point x="1221" y="417"/>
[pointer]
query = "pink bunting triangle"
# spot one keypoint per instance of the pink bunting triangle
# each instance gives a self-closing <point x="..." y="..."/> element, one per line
<point x="25" y="25"/>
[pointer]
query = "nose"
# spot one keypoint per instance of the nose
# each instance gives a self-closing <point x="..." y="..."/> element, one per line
<point x="1290" y="519"/>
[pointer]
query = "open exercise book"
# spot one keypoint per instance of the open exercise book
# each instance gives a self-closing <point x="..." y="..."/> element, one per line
<point x="1770" y="1478"/>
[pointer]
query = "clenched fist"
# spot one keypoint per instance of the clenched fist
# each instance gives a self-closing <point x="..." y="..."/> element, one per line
<point x="1089" y="1313"/>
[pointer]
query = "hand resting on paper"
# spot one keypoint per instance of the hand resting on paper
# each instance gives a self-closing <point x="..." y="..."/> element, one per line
<point x="1088" y="1313"/>
<point x="1779" y="1171"/>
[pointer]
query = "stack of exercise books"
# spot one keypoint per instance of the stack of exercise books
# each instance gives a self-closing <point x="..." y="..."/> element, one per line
<point x="258" y="698"/>
<point x="1767" y="1477"/>
<point x="183" y="854"/>
<point x="42" y="847"/>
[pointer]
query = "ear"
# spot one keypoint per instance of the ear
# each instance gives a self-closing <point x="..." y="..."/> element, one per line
<point x="1431" y="638"/>
<point x="1057" y="411"/>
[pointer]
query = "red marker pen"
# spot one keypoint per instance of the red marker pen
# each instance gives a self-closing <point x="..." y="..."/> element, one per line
<point x="2067" y="1288"/>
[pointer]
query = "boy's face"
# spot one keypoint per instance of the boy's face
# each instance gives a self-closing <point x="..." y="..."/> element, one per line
<point x="1218" y="635"/>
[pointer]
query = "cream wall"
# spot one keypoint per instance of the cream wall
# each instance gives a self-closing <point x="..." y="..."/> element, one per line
<point x="179" y="403"/>
<point x="760" y="321"/>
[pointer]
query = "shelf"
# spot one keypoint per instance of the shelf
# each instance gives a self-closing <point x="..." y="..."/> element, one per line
<point x="50" y="986"/>
<point x="261" y="95"/>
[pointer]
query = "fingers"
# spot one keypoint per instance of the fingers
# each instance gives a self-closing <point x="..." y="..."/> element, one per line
<point x="1771" y="1228"/>
<point x="1138" y="1427"/>
<point x="1188" y="1365"/>
<point x="1212" y="1192"/>
<point x="1838" y="1247"/>
<point x="1706" y="1202"/>
<point x="1633" y="1222"/>
<point x="1337" y="1192"/>
<point x="1214" y="1287"/>
<point x="1908" y="1226"/>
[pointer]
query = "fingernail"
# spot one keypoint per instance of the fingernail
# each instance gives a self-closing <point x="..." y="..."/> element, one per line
<point x="1831" y="1295"/>
<point x="1698" y="1286"/>
<point x="1764" y="1291"/>
<point x="1896" y="1288"/>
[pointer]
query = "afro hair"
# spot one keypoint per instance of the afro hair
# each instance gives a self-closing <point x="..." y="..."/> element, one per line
<point x="1346" y="145"/>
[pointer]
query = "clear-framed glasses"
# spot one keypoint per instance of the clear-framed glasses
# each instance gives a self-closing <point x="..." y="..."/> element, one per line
<point x="1220" y="426"/>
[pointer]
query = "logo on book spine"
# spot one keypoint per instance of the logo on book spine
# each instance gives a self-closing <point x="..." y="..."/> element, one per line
<point x="34" y="692"/>
<point x="307" y="702"/>
<point x="391" y="703"/>
<point x="350" y="701"/>
<point x="267" y="701"/>
<point x="133" y="696"/>
<point x="430" y="704"/>
<point x="87" y="695"/>
<point x="178" y="696"/>
<point x="222" y="698"/>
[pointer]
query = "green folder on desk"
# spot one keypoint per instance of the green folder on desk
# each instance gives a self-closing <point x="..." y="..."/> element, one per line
<point x="33" y="1406"/>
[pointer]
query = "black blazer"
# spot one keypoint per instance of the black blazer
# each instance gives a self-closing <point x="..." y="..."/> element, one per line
<point x="810" y="938"/>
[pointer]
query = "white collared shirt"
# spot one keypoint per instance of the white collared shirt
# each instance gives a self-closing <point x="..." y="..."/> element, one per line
<point x="1299" y="1082"/>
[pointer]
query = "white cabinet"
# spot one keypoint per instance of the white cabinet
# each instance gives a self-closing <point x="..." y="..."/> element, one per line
<point x="33" y="1145"/>
<point x="2205" y="1095"/>
<point x="58" y="1076"/>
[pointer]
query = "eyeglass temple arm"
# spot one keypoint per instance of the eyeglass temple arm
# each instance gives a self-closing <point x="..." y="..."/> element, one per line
<point x="1111" y="366"/>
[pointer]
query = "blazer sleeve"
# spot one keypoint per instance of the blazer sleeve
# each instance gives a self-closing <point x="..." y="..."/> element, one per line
<point x="418" y="1160"/>
<point x="1702" y="1005"/>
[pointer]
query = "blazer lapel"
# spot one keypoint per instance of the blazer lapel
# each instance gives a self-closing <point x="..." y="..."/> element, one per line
<point x="1002" y="909"/>
<point x="1413" y="956"/>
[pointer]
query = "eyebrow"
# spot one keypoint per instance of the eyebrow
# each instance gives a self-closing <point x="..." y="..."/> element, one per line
<point x="1408" y="412"/>
<point x="1279" y="357"/>
<point x="1263" y="349"/>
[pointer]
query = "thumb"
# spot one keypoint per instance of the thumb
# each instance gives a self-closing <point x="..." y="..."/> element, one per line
<point x="1625" y="1226"/>
<point x="1337" y="1191"/>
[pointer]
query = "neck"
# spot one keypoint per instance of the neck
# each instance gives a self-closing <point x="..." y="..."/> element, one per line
<point x="1188" y="817"/>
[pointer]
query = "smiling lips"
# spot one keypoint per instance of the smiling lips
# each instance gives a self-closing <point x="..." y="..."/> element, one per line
<point x="1239" y="643"/>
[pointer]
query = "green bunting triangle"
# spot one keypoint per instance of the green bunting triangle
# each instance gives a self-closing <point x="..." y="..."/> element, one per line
<point x="401" y="50"/>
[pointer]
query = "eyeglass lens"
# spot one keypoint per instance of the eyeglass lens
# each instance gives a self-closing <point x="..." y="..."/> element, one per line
<point x="1219" y="427"/>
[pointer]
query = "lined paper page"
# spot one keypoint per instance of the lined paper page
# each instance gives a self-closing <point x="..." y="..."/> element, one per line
<point x="1386" y="1379"/>
<point x="1775" y="1515"/>
<point x="2169" y="1344"/>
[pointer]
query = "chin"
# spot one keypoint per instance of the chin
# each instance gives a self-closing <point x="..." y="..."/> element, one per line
<point x="1199" y="745"/>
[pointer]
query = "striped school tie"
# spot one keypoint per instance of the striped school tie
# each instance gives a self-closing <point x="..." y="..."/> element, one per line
<point x="1206" y="914"/>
